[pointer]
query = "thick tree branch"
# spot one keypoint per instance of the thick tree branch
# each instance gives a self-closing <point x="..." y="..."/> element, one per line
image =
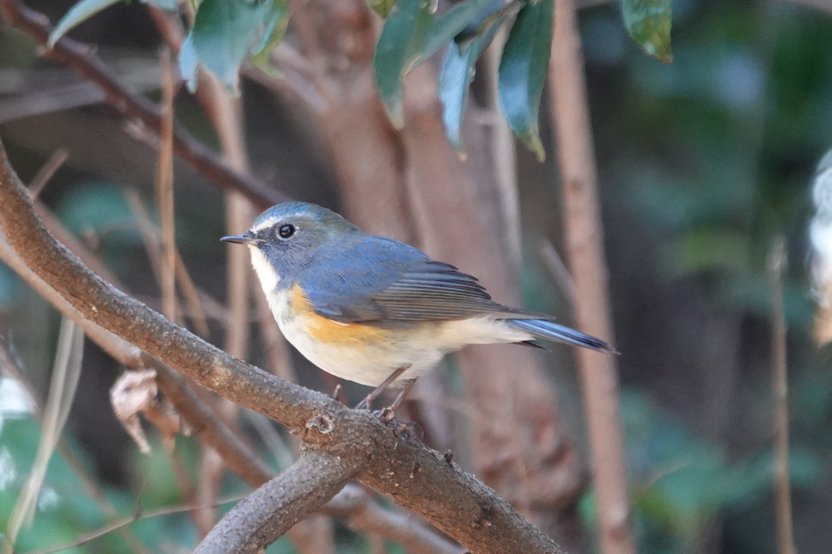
<point x="401" y="467"/>
<point x="351" y="503"/>
<point x="267" y="513"/>
<point x="82" y="59"/>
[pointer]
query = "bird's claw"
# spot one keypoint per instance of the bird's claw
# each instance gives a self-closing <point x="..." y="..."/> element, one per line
<point x="388" y="415"/>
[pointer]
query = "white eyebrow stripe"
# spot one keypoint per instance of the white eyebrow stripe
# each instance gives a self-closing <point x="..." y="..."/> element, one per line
<point x="264" y="224"/>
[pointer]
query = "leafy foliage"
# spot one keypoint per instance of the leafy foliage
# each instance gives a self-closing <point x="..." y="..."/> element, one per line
<point x="648" y="22"/>
<point x="681" y="480"/>
<point x="227" y="32"/>
<point x="410" y="36"/>
<point x="63" y="505"/>
<point x="458" y="69"/>
<point x="85" y="9"/>
<point x="523" y="69"/>
<point x="382" y="7"/>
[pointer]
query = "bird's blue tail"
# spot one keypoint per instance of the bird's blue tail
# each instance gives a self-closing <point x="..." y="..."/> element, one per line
<point x="551" y="331"/>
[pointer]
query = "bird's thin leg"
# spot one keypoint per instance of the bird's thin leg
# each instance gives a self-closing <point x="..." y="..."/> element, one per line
<point x="365" y="404"/>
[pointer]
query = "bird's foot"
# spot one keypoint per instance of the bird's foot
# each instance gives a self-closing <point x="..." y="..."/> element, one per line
<point x="388" y="417"/>
<point x="365" y="404"/>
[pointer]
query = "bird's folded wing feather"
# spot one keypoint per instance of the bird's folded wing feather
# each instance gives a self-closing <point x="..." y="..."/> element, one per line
<point x="377" y="279"/>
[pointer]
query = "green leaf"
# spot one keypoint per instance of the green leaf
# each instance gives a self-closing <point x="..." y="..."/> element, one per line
<point x="451" y="23"/>
<point x="402" y="37"/>
<point x="458" y="70"/>
<point x="85" y="9"/>
<point x="648" y="22"/>
<point x="275" y="28"/>
<point x="382" y="7"/>
<point x="494" y="11"/>
<point x="188" y="63"/>
<point x="410" y="35"/>
<point x="523" y="69"/>
<point x="76" y="15"/>
<point x="226" y="33"/>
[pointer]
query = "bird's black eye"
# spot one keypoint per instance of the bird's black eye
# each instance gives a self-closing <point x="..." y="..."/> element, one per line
<point x="286" y="230"/>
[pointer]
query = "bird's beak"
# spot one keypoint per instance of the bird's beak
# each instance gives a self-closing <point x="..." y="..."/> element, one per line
<point x="246" y="238"/>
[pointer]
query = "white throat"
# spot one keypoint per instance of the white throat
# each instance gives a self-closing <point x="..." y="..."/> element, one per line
<point x="265" y="272"/>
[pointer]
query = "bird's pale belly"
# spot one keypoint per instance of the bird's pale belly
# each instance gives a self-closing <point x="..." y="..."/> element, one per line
<point x="368" y="353"/>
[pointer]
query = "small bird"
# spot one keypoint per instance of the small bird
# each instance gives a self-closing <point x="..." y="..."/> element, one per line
<point x="374" y="310"/>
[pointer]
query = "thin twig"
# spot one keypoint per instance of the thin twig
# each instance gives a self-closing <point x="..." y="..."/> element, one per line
<point x="558" y="270"/>
<point x="164" y="191"/>
<point x="585" y="252"/>
<point x="84" y="61"/>
<point x="269" y="435"/>
<point x="149" y="235"/>
<point x="62" y="387"/>
<point x="193" y="297"/>
<point x="780" y="393"/>
<point x="10" y="367"/>
<point x="57" y="228"/>
<point x="502" y="145"/>
<point x="151" y="239"/>
<point x="208" y="427"/>
<point x="183" y="479"/>
<point x="169" y="27"/>
<point x="226" y="116"/>
<point x="47" y="171"/>
<point x="121" y="523"/>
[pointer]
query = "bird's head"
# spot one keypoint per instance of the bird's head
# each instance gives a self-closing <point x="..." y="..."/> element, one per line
<point x="286" y="237"/>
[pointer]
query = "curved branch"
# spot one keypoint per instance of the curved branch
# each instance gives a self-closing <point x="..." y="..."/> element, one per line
<point x="264" y="515"/>
<point x="82" y="59"/>
<point x="353" y="504"/>
<point x="399" y="466"/>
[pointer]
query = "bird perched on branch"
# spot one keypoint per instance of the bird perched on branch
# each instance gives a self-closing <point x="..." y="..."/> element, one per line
<point x="374" y="310"/>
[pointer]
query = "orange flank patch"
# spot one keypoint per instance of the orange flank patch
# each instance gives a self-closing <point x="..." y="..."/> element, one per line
<point x="326" y="330"/>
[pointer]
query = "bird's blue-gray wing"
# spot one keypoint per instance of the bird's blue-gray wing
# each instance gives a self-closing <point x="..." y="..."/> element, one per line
<point x="374" y="279"/>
